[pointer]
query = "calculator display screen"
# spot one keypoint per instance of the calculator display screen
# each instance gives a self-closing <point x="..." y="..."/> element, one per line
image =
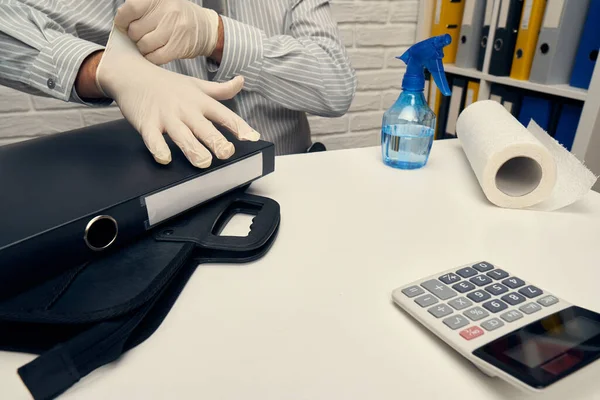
<point x="547" y="350"/>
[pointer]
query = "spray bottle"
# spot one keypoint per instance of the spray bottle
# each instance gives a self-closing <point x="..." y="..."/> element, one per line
<point x="408" y="126"/>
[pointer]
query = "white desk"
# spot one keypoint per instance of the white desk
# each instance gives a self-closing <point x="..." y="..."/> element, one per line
<point x="314" y="319"/>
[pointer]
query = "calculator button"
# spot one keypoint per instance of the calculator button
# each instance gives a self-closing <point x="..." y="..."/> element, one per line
<point x="483" y="266"/>
<point x="440" y="311"/>
<point x="513" y="282"/>
<point x="426" y="300"/>
<point x="481" y="280"/>
<point x="511" y="316"/>
<point x="530" y="308"/>
<point x="439" y="289"/>
<point x="413" y="291"/>
<point x="496" y="289"/>
<point x="492" y="324"/>
<point x="450" y="278"/>
<point x="460" y="303"/>
<point x="471" y="333"/>
<point x="479" y="296"/>
<point x="548" y="300"/>
<point x="530" y="291"/>
<point x="463" y="286"/>
<point x="466" y="272"/>
<point x="513" y="298"/>
<point x="476" y="313"/>
<point x="495" y="306"/>
<point x="456" y="321"/>
<point x="497" y="274"/>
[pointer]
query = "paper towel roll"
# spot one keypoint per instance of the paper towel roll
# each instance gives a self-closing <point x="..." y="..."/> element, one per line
<point x="519" y="167"/>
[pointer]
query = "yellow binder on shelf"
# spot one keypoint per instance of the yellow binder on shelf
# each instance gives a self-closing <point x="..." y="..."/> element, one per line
<point x="447" y="18"/>
<point x="529" y="31"/>
<point x="472" y="93"/>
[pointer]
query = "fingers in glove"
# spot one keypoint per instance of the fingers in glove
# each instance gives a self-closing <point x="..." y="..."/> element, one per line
<point x="223" y="116"/>
<point x="130" y="11"/>
<point x="160" y="56"/>
<point x="181" y="135"/>
<point x="154" y="40"/>
<point x="156" y="144"/>
<point x="162" y="25"/>
<point x="206" y="132"/>
<point x="221" y="91"/>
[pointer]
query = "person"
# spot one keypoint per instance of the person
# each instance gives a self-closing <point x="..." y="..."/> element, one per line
<point x="172" y="65"/>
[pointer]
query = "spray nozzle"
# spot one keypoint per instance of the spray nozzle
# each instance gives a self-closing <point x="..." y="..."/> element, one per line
<point x="426" y="54"/>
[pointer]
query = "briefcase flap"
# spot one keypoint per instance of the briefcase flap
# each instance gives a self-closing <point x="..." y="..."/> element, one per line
<point x="127" y="278"/>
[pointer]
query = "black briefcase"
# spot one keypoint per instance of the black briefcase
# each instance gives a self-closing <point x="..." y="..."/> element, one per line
<point x="69" y="197"/>
<point x="93" y="313"/>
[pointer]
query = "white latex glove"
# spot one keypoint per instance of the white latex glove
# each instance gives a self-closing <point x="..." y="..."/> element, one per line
<point x="166" y="30"/>
<point x="155" y="100"/>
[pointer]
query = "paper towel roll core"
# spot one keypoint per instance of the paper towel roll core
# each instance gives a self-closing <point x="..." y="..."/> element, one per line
<point x="519" y="176"/>
<point x="514" y="169"/>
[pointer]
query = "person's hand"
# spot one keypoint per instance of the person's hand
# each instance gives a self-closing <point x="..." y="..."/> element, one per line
<point x="166" y="30"/>
<point x="155" y="100"/>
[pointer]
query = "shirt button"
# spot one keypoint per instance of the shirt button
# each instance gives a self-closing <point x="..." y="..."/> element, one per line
<point x="51" y="83"/>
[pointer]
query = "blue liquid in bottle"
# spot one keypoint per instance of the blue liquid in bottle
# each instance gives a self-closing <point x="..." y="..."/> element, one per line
<point x="407" y="131"/>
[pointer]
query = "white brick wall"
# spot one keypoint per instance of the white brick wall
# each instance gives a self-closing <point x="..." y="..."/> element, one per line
<point x="374" y="32"/>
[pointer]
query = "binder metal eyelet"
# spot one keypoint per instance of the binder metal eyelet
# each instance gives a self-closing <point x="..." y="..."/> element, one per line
<point x="101" y="232"/>
<point x="498" y="44"/>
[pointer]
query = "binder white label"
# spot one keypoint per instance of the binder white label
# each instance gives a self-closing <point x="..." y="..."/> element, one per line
<point x="469" y="11"/>
<point x="553" y="13"/>
<point x="457" y="92"/>
<point x="526" y="14"/>
<point x="489" y="10"/>
<point x="177" y="199"/>
<point x="508" y="105"/>
<point x="503" y="18"/>
<point x="469" y="99"/>
<point x="497" y="98"/>
<point x="438" y="11"/>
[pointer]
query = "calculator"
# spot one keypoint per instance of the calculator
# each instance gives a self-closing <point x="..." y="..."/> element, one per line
<point x="506" y="326"/>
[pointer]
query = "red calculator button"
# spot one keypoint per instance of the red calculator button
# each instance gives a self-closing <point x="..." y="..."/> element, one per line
<point x="471" y="332"/>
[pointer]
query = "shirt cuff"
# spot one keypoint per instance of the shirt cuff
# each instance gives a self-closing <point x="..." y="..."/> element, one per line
<point x="242" y="53"/>
<point x="57" y="66"/>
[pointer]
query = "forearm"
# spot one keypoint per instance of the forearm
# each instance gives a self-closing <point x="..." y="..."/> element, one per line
<point x="85" y="83"/>
<point x="38" y="53"/>
<point x="307" y="70"/>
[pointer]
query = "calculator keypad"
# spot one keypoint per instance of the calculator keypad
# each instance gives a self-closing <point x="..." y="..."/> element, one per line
<point x="460" y="303"/>
<point x="450" y="278"/>
<point x="513" y="282"/>
<point x="481" y="280"/>
<point x="530" y="291"/>
<point x="438" y="289"/>
<point x="496" y="289"/>
<point x="478" y="298"/>
<point x="464" y="286"/>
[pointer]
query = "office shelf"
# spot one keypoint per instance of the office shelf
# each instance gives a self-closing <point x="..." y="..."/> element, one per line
<point x="586" y="146"/>
<point x="556" y="90"/>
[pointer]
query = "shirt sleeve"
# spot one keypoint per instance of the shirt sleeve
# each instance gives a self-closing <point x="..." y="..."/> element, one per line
<point x="305" y="70"/>
<point x="38" y="56"/>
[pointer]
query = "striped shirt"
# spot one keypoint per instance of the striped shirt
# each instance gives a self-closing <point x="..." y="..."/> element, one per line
<point x="289" y="52"/>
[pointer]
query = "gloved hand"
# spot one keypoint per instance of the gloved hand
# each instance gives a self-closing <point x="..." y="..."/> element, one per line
<point x="155" y="100"/>
<point x="165" y="30"/>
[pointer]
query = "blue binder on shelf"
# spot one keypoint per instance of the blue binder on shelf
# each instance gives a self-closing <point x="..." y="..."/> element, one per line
<point x="587" y="52"/>
<point x="567" y="125"/>
<point x="537" y="108"/>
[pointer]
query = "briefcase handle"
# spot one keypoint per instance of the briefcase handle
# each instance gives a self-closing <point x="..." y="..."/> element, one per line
<point x="204" y="229"/>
